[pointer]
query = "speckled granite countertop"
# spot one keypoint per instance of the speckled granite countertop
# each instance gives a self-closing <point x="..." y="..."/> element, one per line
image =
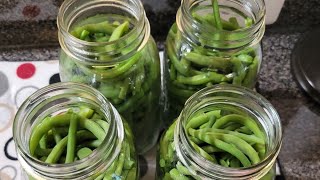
<point x="300" y="154"/>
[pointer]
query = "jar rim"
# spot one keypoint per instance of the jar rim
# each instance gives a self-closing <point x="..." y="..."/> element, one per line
<point x="180" y="137"/>
<point x="185" y="19"/>
<point x="115" y="131"/>
<point x="142" y="28"/>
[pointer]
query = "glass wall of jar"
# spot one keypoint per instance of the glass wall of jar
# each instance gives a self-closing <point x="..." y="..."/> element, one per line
<point x="107" y="44"/>
<point x="223" y="132"/>
<point x="71" y="131"/>
<point x="213" y="42"/>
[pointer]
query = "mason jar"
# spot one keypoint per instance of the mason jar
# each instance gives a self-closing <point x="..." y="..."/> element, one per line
<point x="201" y="52"/>
<point x="115" y="156"/>
<point x="223" y="132"/>
<point x="107" y="45"/>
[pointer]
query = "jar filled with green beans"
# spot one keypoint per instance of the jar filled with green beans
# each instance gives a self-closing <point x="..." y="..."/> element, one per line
<point x="107" y="44"/>
<point x="71" y="131"/>
<point x="213" y="42"/>
<point x="223" y="132"/>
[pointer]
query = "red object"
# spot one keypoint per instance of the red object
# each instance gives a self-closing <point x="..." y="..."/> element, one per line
<point x="31" y="11"/>
<point x="26" y="70"/>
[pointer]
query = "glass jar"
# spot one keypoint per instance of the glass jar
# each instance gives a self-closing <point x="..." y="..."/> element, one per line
<point x="201" y="52"/>
<point x="125" y="70"/>
<point x="197" y="149"/>
<point x="56" y="99"/>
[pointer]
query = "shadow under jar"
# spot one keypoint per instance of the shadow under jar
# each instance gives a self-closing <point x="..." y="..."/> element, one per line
<point x="213" y="42"/>
<point x="107" y="44"/>
<point x="71" y="131"/>
<point x="224" y="132"/>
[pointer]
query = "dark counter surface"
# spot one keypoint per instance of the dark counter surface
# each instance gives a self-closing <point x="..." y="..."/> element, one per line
<point x="300" y="115"/>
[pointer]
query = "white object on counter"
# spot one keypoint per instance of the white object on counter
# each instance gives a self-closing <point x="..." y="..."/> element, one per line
<point x="273" y="10"/>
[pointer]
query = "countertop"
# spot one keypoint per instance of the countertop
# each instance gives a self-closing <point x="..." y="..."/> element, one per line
<point x="300" y="115"/>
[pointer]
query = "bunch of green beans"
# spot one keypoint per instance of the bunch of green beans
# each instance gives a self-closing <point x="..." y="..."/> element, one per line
<point x="73" y="135"/>
<point x="226" y="138"/>
<point x="193" y="66"/>
<point x="132" y="85"/>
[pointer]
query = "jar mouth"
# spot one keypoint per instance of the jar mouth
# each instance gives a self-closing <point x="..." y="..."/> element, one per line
<point x="70" y="10"/>
<point x="271" y="127"/>
<point x="67" y="94"/>
<point x="244" y="36"/>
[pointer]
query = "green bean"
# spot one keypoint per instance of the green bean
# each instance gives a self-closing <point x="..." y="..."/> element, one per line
<point x="180" y="67"/>
<point x="111" y="169"/>
<point x="84" y="152"/>
<point x="44" y="127"/>
<point x="93" y="127"/>
<point x="211" y="139"/>
<point x="199" y="119"/>
<point x="102" y="27"/>
<point x="245" y="58"/>
<point x="220" y="63"/>
<point x="209" y="19"/>
<point x="196" y="140"/>
<point x="211" y="149"/>
<point x="232" y="126"/>
<point x="120" y="69"/>
<point x="42" y="152"/>
<point x="234" y="22"/>
<point x="84" y="34"/>
<point x="240" y="144"/>
<point x="120" y="163"/>
<point x="56" y="152"/>
<point x="244" y="130"/>
<point x="176" y="175"/>
<point x="164" y="143"/>
<point x="94" y="144"/>
<point x="103" y="124"/>
<point x="216" y="13"/>
<point x="223" y="163"/>
<point x="119" y="31"/>
<point x="130" y="102"/>
<point x="43" y="142"/>
<point x="43" y="158"/>
<point x="85" y="112"/>
<point x="246" y="137"/>
<point x="201" y="79"/>
<point x="71" y="146"/>
<point x="183" y="170"/>
<point x="203" y="153"/>
<point x="124" y="89"/>
<point x="246" y="121"/>
<point x="252" y="72"/>
<point x="56" y="135"/>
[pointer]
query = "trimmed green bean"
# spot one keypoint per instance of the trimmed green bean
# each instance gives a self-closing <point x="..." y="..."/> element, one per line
<point x="83" y="152"/>
<point x="71" y="146"/>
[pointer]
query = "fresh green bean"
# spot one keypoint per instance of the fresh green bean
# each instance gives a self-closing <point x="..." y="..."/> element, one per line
<point x="83" y="152"/>
<point x="176" y="175"/>
<point x="220" y="63"/>
<point x="71" y="146"/>
<point x="215" y="141"/>
<point x="246" y="121"/>
<point x="201" y="79"/>
<point x="203" y="153"/>
<point x="216" y="13"/>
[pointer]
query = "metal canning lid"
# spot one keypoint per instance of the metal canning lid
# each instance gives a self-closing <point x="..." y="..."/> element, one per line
<point x="305" y="63"/>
